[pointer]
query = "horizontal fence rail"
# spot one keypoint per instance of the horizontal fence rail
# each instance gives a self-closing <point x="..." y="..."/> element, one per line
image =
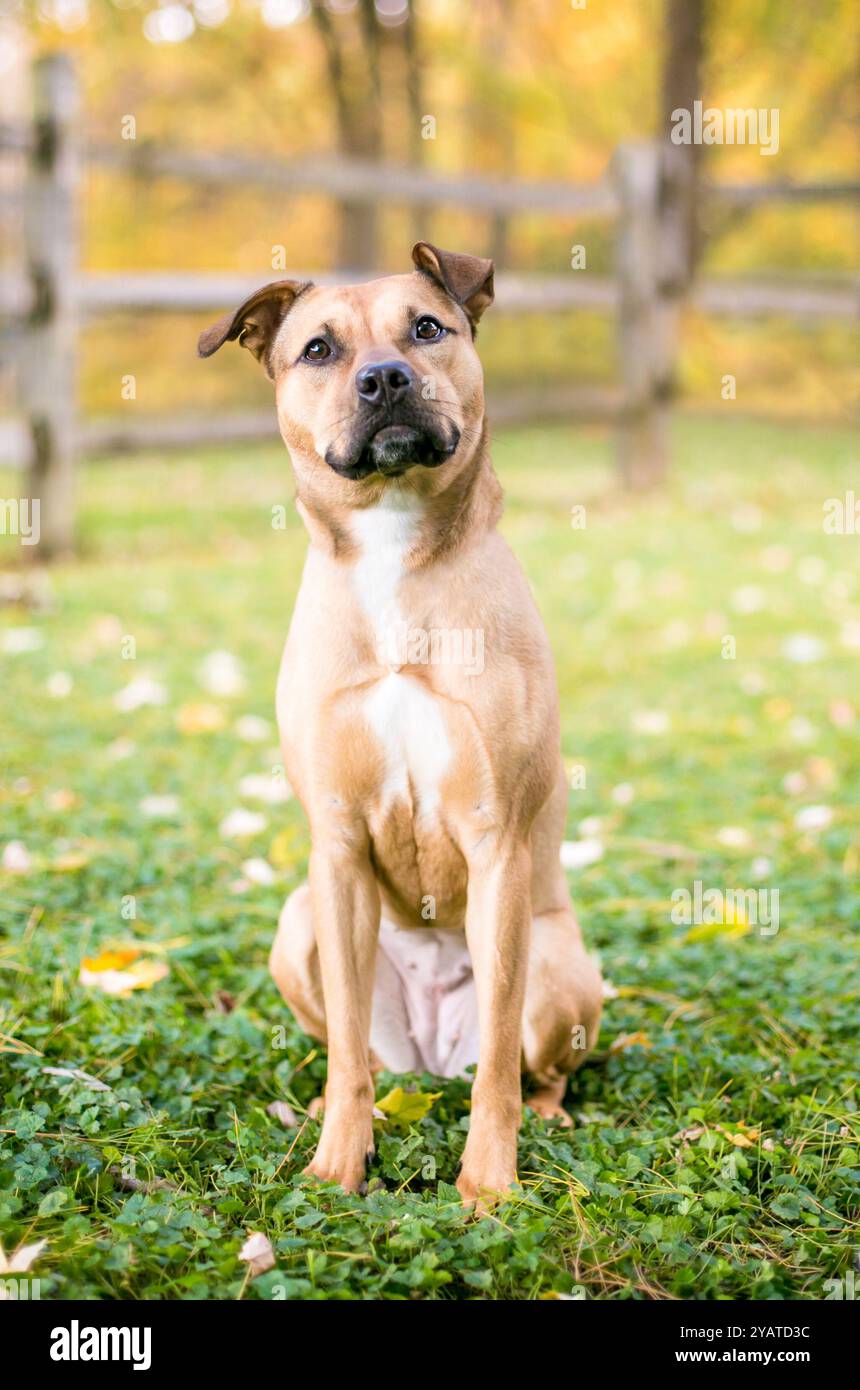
<point x="104" y="438"/>
<point x="160" y="292"/>
<point x="359" y="180"/>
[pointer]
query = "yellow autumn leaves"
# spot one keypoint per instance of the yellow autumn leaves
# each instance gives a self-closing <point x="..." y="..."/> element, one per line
<point x="122" y="968"/>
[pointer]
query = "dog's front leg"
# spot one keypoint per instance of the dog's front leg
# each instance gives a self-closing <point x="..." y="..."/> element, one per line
<point x="498" y="920"/>
<point x="346" y="907"/>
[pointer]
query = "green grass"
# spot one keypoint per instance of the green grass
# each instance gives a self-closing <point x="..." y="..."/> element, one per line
<point x="647" y="1197"/>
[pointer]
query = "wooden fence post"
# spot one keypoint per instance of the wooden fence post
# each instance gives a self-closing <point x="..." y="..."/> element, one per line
<point x="47" y="379"/>
<point x="643" y="433"/>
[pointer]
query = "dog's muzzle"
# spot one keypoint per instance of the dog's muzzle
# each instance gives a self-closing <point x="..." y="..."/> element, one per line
<point x="394" y="427"/>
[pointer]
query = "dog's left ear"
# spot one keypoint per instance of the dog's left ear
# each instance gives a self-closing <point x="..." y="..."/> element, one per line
<point x="255" y="323"/>
<point x="468" y="279"/>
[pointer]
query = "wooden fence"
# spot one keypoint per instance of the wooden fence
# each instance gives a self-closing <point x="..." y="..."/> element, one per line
<point x="49" y="302"/>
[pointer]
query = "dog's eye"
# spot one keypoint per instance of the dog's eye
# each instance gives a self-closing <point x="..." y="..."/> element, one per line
<point x="427" y="327"/>
<point x="317" y="350"/>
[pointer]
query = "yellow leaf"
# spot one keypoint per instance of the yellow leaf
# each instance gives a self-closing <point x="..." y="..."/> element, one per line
<point x="286" y="848"/>
<point x="406" y="1107"/>
<point x="200" y="719"/>
<point x="110" y="960"/>
<point x="777" y="709"/>
<point x="625" y="1040"/>
<point x="735" y="925"/>
<point x="744" y="1138"/>
<point x="147" y="973"/>
<point x="119" y="972"/>
<point x="69" y="863"/>
<point x="61" y="800"/>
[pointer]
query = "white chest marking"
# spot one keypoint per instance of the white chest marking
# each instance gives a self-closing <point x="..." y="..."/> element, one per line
<point x="385" y="535"/>
<point x="408" y="722"/>
<point x="404" y="716"/>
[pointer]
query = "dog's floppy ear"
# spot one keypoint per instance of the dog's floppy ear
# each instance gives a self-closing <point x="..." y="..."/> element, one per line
<point x="255" y="322"/>
<point x="468" y="279"/>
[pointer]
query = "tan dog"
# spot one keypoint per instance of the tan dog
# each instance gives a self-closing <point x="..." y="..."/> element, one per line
<point x="418" y="713"/>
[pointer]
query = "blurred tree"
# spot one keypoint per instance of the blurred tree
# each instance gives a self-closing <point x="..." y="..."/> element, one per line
<point x="354" y="82"/>
<point x="683" y="43"/>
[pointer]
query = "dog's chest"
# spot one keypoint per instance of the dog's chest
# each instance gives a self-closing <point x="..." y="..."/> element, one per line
<point x="406" y="718"/>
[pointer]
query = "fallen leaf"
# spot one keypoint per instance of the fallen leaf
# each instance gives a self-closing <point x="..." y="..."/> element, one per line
<point x="407" y="1107"/>
<point x="252" y="728"/>
<point x="60" y="800"/>
<point x="279" y="1110"/>
<point x="59" y="685"/>
<point x="120" y="748"/>
<point x="221" y="674"/>
<point x="813" y="818"/>
<point x="734" y="926"/>
<point x="69" y="863"/>
<point x="92" y="1083"/>
<point x="777" y="709"/>
<point x="733" y="837"/>
<point x="743" y="1136"/>
<point x="159" y="807"/>
<point x="841" y="713"/>
<point x="240" y="824"/>
<point x="16" y="858"/>
<point x="802" y="648"/>
<point x="200" y="719"/>
<point x="257" y="1254"/>
<point x="651" y="722"/>
<point x="578" y="854"/>
<point x="22" y="639"/>
<point x="286" y="848"/>
<point x="625" y="1040"/>
<point x="119" y="972"/>
<point x="140" y="692"/>
<point x="258" y="871"/>
<point x="688" y="1135"/>
<point x="271" y="788"/>
<point x="21" y="1259"/>
<point x="111" y="960"/>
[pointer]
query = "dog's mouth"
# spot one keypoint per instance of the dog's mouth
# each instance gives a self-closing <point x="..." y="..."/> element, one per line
<point x="391" y="447"/>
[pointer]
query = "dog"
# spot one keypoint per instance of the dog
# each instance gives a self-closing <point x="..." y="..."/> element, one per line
<point x="418" y="713"/>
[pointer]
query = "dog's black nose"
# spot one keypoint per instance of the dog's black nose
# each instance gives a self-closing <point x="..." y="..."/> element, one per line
<point x="384" y="381"/>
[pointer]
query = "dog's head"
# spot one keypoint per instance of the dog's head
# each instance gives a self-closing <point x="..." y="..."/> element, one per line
<point x="372" y="380"/>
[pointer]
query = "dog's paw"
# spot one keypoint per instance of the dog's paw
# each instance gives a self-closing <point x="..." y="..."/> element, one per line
<point x="342" y="1157"/>
<point x="487" y="1177"/>
<point x="481" y="1193"/>
<point x="548" y="1108"/>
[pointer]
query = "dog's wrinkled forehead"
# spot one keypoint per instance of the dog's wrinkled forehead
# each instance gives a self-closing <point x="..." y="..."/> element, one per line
<point x="362" y="318"/>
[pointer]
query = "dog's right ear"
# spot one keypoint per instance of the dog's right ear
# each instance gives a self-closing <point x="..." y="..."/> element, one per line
<point x="256" y="322"/>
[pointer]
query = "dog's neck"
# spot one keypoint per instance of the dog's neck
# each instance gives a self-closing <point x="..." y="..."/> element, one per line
<point x="442" y="521"/>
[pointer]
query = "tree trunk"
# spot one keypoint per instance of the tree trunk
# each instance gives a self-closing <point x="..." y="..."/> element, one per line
<point x="678" y="229"/>
<point x="357" y="105"/>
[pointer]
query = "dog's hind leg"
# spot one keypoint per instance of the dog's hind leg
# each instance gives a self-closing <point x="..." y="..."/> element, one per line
<point x="561" y="1015"/>
<point x="294" y="963"/>
<point x="564" y="991"/>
